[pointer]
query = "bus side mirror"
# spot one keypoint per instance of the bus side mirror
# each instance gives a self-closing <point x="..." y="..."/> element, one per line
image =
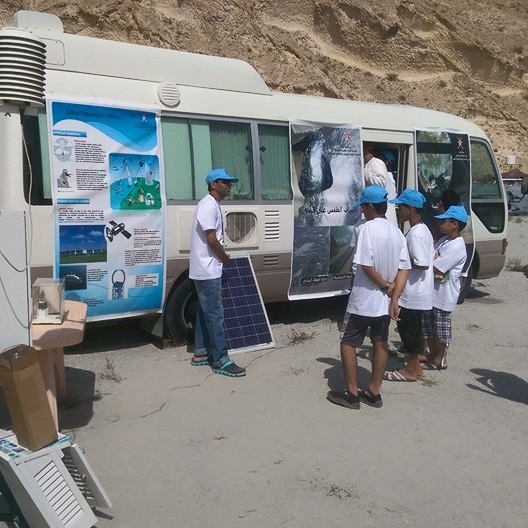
<point x="524" y="186"/>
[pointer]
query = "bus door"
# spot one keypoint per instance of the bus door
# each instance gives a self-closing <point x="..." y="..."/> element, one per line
<point x="443" y="163"/>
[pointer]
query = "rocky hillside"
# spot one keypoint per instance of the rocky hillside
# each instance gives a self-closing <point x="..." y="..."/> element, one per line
<point x="469" y="58"/>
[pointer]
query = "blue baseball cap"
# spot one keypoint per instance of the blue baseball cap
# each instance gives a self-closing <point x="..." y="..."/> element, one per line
<point x="372" y="194"/>
<point x="410" y="197"/>
<point x="219" y="174"/>
<point x="455" y="212"/>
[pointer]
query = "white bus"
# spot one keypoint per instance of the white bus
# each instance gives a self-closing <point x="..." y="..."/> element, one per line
<point x="214" y="112"/>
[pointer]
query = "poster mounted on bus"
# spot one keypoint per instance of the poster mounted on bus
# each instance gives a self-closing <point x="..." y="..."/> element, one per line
<point x="109" y="206"/>
<point x="327" y="167"/>
<point x="443" y="164"/>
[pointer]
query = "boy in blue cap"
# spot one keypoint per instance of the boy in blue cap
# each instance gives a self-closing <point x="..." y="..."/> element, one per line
<point x="417" y="297"/>
<point x="450" y="257"/>
<point x="382" y="263"/>
<point x="205" y="269"/>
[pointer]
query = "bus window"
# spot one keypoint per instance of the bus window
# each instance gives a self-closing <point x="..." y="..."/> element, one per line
<point x="177" y="159"/>
<point x="231" y="149"/>
<point x="193" y="147"/>
<point x="274" y="151"/>
<point x="486" y="197"/>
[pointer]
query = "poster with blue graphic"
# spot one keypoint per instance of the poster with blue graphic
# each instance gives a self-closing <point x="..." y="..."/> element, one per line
<point x="109" y="206"/>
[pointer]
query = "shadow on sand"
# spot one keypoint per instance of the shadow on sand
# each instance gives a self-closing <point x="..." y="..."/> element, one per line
<point x="307" y="311"/>
<point x="76" y="408"/>
<point x="117" y="335"/>
<point x="501" y="384"/>
<point x="334" y="372"/>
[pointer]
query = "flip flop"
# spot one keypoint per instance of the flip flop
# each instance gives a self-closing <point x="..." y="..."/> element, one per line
<point x="433" y="365"/>
<point x="396" y="375"/>
<point x="424" y="358"/>
<point x="199" y="361"/>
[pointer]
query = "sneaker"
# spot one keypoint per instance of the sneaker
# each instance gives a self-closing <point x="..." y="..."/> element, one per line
<point x="370" y="399"/>
<point x="230" y="369"/>
<point x="345" y="399"/>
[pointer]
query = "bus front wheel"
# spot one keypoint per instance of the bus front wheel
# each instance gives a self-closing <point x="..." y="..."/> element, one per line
<point x="180" y="312"/>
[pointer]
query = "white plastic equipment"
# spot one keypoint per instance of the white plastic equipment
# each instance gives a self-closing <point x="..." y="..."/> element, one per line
<point x="53" y="487"/>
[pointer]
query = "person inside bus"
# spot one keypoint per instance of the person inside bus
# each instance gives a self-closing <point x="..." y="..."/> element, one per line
<point x="205" y="269"/>
<point x="390" y="162"/>
<point x="375" y="173"/>
<point x="382" y="263"/>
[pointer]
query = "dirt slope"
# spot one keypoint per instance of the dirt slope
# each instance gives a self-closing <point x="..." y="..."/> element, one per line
<point x="469" y="58"/>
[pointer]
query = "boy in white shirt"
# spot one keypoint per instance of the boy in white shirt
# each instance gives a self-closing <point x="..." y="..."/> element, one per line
<point x="450" y="257"/>
<point x="382" y="263"/>
<point x="417" y="297"/>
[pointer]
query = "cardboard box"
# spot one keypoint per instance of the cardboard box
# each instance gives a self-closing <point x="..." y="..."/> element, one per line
<point x="26" y="398"/>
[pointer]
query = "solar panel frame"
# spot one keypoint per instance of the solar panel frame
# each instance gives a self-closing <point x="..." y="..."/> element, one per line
<point x="246" y="322"/>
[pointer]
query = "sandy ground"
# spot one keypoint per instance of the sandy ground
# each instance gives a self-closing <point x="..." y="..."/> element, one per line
<point x="175" y="445"/>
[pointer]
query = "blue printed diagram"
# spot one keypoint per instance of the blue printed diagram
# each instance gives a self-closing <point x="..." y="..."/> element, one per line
<point x="135" y="182"/>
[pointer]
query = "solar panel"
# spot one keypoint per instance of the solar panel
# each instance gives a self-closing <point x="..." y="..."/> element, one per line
<point x="245" y="320"/>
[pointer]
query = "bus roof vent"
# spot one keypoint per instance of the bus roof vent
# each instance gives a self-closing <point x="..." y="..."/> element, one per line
<point x="169" y="94"/>
<point x="22" y="68"/>
<point x="35" y="20"/>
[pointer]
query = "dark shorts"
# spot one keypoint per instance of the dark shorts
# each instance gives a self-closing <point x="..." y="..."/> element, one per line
<point x="437" y="325"/>
<point x="410" y="330"/>
<point x="354" y="329"/>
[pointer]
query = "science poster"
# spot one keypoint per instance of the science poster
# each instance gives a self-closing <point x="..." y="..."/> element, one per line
<point x="327" y="165"/>
<point x="443" y="162"/>
<point x="109" y="205"/>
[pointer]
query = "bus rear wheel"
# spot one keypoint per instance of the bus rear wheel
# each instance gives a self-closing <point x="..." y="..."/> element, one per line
<point x="180" y="312"/>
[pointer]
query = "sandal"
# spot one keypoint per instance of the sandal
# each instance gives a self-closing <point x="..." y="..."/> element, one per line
<point x="433" y="365"/>
<point x="199" y="361"/>
<point x="230" y="369"/>
<point x="396" y="375"/>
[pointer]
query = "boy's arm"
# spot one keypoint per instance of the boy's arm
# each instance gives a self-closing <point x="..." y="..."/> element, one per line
<point x="438" y="275"/>
<point x="395" y="291"/>
<point x="399" y="283"/>
<point x="376" y="278"/>
<point x="418" y="252"/>
<point x="452" y="254"/>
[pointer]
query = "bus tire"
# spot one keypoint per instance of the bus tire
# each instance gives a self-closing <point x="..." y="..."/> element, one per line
<point x="466" y="285"/>
<point x="180" y="312"/>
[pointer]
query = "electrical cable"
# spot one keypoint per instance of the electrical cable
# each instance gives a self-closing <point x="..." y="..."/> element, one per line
<point x="30" y="216"/>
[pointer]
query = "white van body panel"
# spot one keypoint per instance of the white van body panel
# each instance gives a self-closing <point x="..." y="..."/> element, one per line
<point x="85" y="68"/>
